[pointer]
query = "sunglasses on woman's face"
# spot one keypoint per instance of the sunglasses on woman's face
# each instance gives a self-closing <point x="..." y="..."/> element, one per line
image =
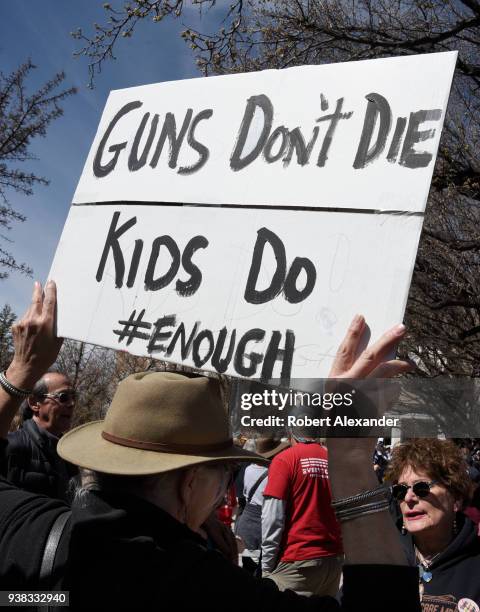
<point x="421" y="489"/>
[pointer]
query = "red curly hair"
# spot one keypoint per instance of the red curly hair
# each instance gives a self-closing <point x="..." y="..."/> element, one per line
<point x="441" y="460"/>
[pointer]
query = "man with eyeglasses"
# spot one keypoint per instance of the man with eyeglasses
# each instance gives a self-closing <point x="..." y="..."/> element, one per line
<point x="31" y="461"/>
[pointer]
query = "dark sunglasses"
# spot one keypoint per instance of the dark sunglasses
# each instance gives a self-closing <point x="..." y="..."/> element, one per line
<point x="421" y="489"/>
<point x="63" y="396"/>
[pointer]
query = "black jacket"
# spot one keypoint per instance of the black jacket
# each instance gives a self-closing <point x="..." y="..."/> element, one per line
<point x="456" y="572"/>
<point x="31" y="462"/>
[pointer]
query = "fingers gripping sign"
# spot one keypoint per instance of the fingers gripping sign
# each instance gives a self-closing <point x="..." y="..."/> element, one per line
<point x="372" y="362"/>
<point x="35" y="341"/>
<point x="347" y="350"/>
<point x="36" y="348"/>
<point x="37" y="301"/>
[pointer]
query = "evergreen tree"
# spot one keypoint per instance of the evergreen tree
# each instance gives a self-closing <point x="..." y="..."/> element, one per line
<point x="7" y="317"/>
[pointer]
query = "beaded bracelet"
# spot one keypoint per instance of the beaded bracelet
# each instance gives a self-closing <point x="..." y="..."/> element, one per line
<point x="12" y="389"/>
<point x="353" y="500"/>
<point x="358" y="511"/>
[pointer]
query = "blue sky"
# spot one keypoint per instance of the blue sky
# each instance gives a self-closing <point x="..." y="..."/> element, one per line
<point x="42" y="31"/>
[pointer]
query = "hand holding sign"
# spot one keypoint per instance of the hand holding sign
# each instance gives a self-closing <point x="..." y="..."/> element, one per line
<point x="36" y="348"/>
<point x="34" y="338"/>
<point x="370" y="363"/>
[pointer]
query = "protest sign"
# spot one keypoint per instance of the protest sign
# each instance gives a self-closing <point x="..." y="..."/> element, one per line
<point x="237" y="223"/>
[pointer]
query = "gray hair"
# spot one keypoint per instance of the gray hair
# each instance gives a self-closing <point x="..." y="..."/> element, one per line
<point x="99" y="482"/>
<point x="39" y="390"/>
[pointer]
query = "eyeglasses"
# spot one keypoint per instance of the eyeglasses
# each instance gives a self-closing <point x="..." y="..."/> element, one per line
<point x="229" y="472"/>
<point x="421" y="489"/>
<point x="62" y="396"/>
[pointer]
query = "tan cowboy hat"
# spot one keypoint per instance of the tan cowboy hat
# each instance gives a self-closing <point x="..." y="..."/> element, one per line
<point x="157" y="422"/>
<point x="268" y="447"/>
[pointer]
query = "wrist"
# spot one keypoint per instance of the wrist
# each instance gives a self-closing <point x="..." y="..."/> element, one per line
<point x="340" y="474"/>
<point x="21" y="376"/>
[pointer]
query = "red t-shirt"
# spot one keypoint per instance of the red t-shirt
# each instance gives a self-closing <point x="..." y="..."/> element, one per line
<point x="299" y="476"/>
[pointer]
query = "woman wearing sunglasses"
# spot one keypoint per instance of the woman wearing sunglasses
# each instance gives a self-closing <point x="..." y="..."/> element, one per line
<point x="431" y="486"/>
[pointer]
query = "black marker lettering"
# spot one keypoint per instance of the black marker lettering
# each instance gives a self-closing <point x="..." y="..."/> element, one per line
<point x="297" y="142"/>
<point x="198" y="360"/>
<point x="100" y="170"/>
<point x="252" y="295"/>
<point x="218" y="363"/>
<point x="137" y="252"/>
<point x="169" y="130"/>
<point x="112" y="243"/>
<point x="397" y="137"/>
<point x="252" y="335"/>
<point x="185" y="345"/>
<point x="274" y="353"/>
<point x="264" y="104"/>
<point x="418" y="159"/>
<point x="158" y="335"/>
<point x="201" y="149"/>
<point x="292" y="294"/>
<point x="188" y="287"/>
<point x="152" y="284"/>
<point x="377" y="107"/>
<point x="334" y="118"/>
<point x="279" y="132"/>
<point x="134" y="162"/>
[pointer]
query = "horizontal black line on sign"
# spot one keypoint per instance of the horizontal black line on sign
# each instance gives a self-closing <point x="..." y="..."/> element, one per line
<point x="335" y="209"/>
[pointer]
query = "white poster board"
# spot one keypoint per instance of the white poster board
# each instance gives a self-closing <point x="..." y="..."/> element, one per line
<point x="322" y="173"/>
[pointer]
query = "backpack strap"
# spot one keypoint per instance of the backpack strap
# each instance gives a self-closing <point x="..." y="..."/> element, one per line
<point x="50" y="550"/>
<point x="255" y="486"/>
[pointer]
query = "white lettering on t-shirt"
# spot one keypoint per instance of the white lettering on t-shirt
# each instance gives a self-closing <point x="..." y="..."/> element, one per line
<point x="314" y="467"/>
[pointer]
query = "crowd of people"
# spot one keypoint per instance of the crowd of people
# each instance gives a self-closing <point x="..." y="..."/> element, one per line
<point x="434" y="502"/>
<point x="125" y="512"/>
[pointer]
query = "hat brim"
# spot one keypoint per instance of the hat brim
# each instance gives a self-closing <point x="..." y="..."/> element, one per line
<point x="85" y="447"/>
<point x="278" y="449"/>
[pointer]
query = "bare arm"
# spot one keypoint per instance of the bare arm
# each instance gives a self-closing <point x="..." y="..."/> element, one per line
<point x="371" y="539"/>
<point x="36" y="348"/>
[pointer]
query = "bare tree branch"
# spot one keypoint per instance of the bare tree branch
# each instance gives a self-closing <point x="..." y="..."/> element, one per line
<point x="23" y="118"/>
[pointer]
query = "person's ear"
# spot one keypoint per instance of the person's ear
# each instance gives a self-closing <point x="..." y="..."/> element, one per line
<point x="187" y="485"/>
<point x="33" y="404"/>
